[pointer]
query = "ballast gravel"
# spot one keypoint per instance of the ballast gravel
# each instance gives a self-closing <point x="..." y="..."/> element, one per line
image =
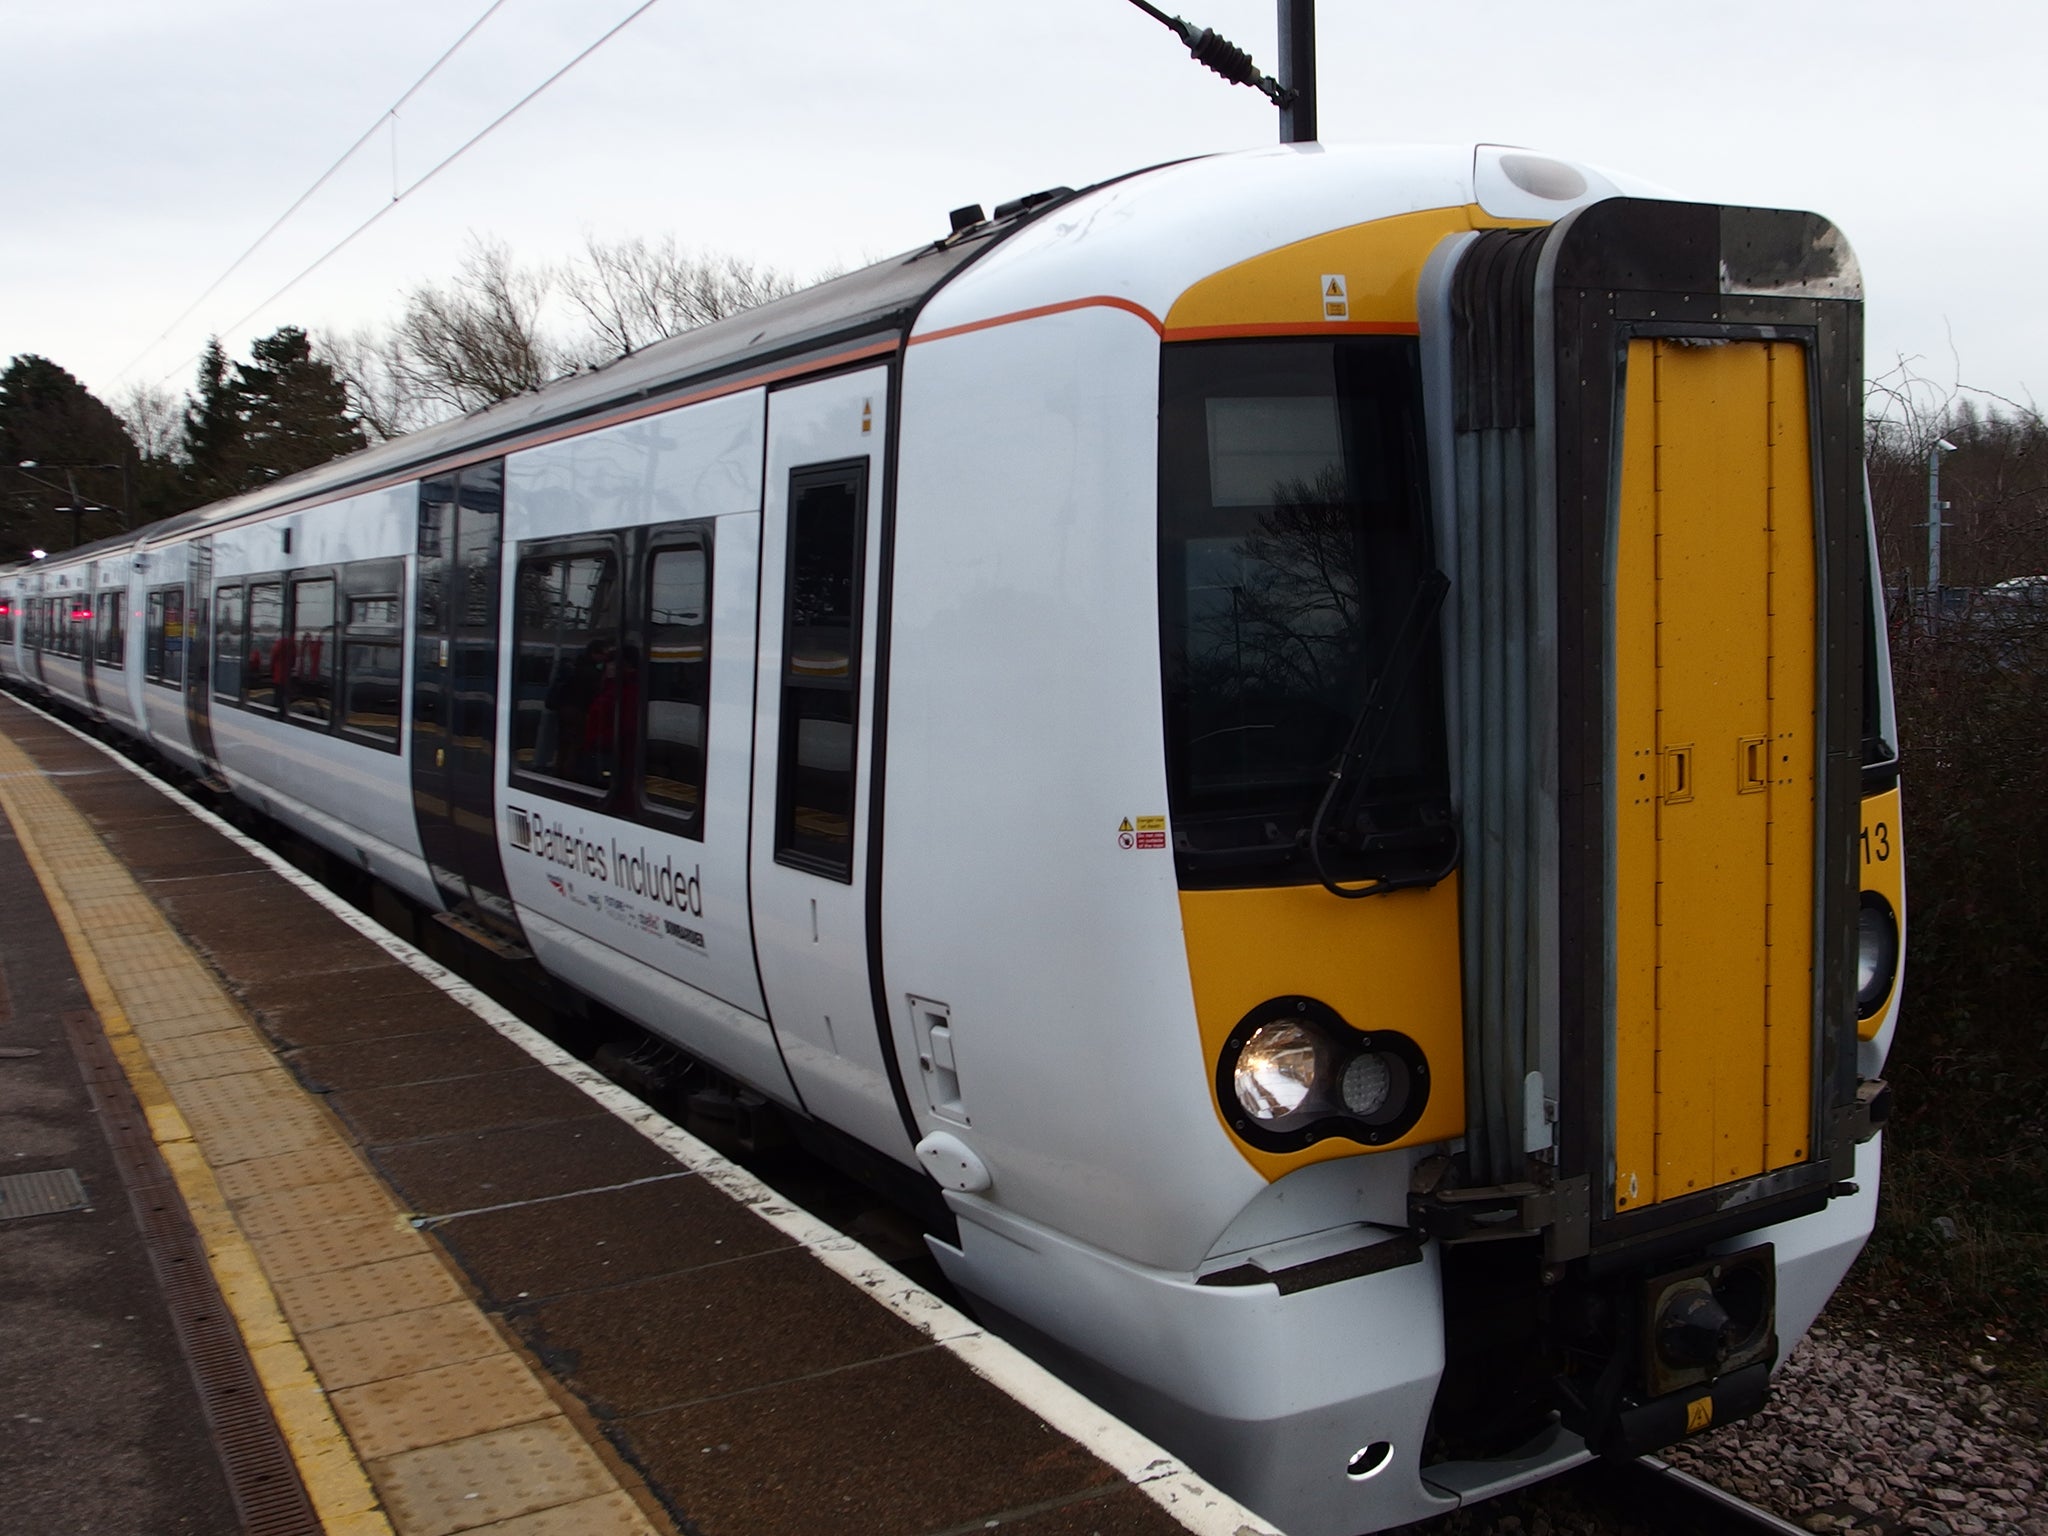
<point x="1861" y="1438"/>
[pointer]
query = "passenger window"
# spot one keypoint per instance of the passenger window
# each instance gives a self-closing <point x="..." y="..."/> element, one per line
<point x="153" y="636"/>
<point x="821" y="670"/>
<point x="111" y="629"/>
<point x="678" y="682"/>
<point x="227" y="643"/>
<point x="269" y="657"/>
<point x="373" y="647"/>
<point x="309" y="652"/>
<point x="570" y="674"/>
<point x="173" y="648"/>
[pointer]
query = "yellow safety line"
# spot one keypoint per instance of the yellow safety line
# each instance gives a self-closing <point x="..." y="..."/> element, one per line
<point x="334" y="1478"/>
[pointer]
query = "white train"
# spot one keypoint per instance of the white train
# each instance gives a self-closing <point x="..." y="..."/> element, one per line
<point x="963" y="703"/>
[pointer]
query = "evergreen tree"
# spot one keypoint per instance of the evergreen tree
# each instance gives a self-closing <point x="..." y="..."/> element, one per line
<point x="215" y="454"/>
<point x="50" y="419"/>
<point x="294" y="410"/>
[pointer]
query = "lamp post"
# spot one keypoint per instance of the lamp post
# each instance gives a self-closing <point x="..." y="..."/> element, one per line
<point x="1935" y="506"/>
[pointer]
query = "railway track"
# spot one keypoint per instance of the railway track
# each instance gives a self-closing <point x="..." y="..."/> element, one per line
<point x="1658" y="1497"/>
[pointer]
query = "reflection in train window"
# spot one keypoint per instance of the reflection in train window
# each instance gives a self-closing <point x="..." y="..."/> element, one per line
<point x="821" y="668"/>
<point x="163" y="637"/>
<point x="678" y="681"/>
<point x="570" y="673"/>
<point x="268" y="653"/>
<point x="110" y="642"/>
<point x="309" y="652"/>
<point x="227" y="643"/>
<point x="373" y="648"/>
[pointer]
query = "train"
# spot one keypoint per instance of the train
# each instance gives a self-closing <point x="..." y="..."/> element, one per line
<point x="1302" y="739"/>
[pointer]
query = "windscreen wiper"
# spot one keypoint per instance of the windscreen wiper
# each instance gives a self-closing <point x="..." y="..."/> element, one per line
<point x="1369" y="734"/>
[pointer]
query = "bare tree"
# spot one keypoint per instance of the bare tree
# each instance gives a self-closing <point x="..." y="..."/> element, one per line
<point x="155" y="419"/>
<point x="635" y="291"/>
<point x="480" y="339"/>
<point x="383" y="393"/>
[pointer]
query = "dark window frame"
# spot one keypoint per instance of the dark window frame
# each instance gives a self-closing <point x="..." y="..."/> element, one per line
<point x="281" y="581"/>
<point x="156" y="635"/>
<point x="1253" y="833"/>
<point x="369" y="579"/>
<point x="382" y="576"/>
<point x="234" y="638"/>
<point x="651" y="544"/>
<point x="293" y="580"/>
<point x="853" y="474"/>
<point x="110" y="628"/>
<point x="613" y="545"/>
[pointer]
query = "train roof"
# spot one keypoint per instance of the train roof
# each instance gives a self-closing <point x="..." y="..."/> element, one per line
<point x="1299" y="190"/>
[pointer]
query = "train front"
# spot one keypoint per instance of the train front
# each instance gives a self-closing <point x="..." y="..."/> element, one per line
<point x="1532" y="808"/>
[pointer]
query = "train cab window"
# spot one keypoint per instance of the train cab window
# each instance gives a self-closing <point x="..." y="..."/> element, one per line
<point x="268" y="654"/>
<point x="372" y="652"/>
<point x="110" y="628"/>
<point x="6" y="621"/>
<point x="678" y="682"/>
<point x="308" y="653"/>
<point x="570" y="673"/>
<point x="1294" y="540"/>
<point x="227" y="643"/>
<point x="814" y="798"/>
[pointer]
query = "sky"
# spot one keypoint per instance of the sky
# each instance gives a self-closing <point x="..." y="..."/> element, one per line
<point x="144" y="146"/>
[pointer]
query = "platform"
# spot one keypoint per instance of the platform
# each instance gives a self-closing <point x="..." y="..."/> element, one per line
<point x="473" y="1286"/>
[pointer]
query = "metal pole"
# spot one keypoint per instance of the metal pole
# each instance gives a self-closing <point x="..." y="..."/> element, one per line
<point x="77" y="511"/>
<point x="1298" y="70"/>
<point x="1940" y="446"/>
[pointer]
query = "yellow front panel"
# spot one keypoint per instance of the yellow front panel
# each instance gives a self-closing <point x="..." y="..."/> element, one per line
<point x="1387" y="963"/>
<point x="1713" y="679"/>
<point x="1882" y="857"/>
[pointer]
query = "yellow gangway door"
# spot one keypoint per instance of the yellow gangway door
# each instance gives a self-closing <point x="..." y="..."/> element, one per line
<point x="1714" y="668"/>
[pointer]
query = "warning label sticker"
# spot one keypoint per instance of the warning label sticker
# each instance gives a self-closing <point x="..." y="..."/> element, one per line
<point x="1336" y="297"/>
<point x="1146" y="832"/>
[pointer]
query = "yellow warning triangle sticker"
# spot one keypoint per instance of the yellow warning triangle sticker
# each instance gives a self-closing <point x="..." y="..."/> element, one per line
<point x="1126" y="826"/>
<point x="1334" y="291"/>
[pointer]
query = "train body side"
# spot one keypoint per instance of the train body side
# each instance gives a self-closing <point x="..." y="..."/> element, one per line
<point x="918" y="870"/>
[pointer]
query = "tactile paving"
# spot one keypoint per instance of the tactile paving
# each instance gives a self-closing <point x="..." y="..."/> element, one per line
<point x="308" y="1250"/>
<point x="612" y="1515"/>
<point x="333" y="1297"/>
<point x="467" y="1483"/>
<point x="449" y="1402"/>
<point x="378" y="1347"/>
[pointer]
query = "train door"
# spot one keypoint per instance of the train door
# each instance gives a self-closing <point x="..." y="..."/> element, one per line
<point x="88" y="633"/>
<point x="455" y="693"/>
<point x="814" y="741"/>
<point x="197" y="645"/>
<point x="1714" y="708"/>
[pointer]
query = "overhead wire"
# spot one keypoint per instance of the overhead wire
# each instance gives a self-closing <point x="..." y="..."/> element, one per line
<point x="325" y="176"/>
<point x="400" y="196"/>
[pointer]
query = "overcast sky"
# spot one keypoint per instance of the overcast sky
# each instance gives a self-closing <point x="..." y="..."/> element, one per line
<point x="146" y="145"/>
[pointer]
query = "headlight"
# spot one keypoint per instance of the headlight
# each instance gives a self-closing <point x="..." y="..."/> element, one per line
<point x="1877" y="953"/>
<point x="1276" y="1071"/>
<point x="1293" y="1071"/>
